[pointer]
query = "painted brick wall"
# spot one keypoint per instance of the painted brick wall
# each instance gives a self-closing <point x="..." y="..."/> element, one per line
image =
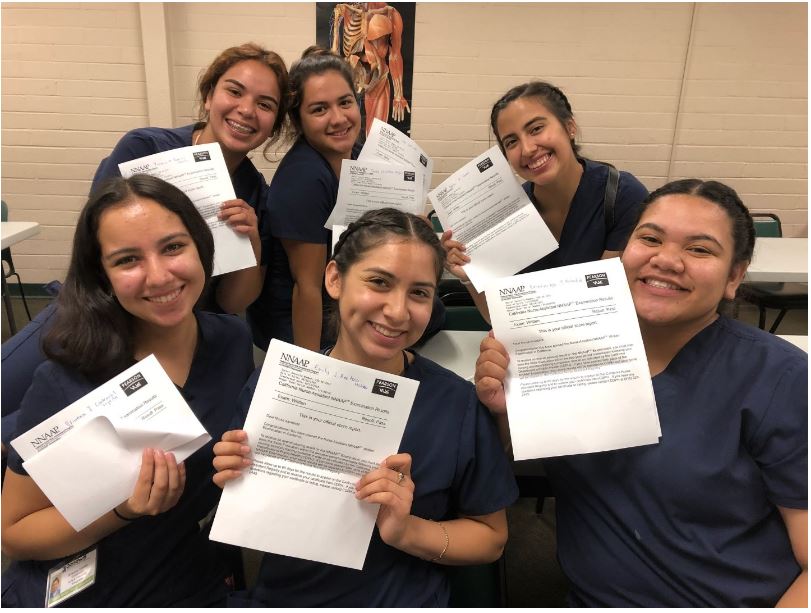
<point x="662" y="90"/>
<point x="72" y="84"/>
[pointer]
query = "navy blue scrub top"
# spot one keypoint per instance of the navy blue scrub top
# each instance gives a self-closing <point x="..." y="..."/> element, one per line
<point x="459" y="468"/>
<point x="693" y="521"/>
<point x="299" y="201"/>
<point x="248" y="182"/>
<point x="301" y="197"/>
<point x="583" y="238"/>
<point x="165" y="560"/>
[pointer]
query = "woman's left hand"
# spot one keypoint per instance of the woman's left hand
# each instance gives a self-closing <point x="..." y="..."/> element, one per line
<point x="391" y="487"/>
<point x="240" y="216"/>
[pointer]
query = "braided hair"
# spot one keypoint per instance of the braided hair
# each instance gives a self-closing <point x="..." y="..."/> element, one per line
<point x="375" y="228"/>
<point x="551" y="97"/>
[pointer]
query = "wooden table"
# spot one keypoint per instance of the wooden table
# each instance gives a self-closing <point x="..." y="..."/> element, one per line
<point x="12" y="232"/>
<point x="780" y="260"/>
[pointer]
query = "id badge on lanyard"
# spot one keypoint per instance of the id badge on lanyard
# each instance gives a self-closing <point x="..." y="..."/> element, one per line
<point x="68" y="579"/>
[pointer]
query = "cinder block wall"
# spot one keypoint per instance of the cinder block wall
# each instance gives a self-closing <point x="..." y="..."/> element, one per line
<point x="662" y="90"/>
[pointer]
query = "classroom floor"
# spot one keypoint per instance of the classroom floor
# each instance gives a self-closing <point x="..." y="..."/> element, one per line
<point x="533" y="577"/>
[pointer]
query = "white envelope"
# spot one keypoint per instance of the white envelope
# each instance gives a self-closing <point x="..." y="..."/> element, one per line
<point x="92" y="465"/>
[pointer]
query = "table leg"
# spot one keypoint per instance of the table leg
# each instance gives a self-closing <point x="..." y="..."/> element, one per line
<point x="9" y="310"/>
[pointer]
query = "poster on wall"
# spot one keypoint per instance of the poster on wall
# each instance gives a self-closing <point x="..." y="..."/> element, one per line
<point x="377" y="39"/>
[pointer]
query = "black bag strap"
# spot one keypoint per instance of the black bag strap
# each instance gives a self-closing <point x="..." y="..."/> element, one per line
<point x="611" y="187"/>
<point x="610" y="197"/>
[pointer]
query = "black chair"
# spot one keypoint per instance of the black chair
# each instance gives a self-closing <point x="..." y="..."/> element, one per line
<point x="8" y="272"/>
<point x="772" y="295"/>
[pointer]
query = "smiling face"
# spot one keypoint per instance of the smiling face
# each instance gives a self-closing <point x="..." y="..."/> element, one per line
<point x="242" y="108"/>
<point x="330" y="116"/>
<point x="537" y="145"/>
<point x="384" y="302"/>
<point x="679" y="262"/>
<point x="151" y="262"/>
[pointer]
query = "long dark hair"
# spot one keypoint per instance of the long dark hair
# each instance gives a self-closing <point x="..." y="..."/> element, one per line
<point x="92" y="333"/>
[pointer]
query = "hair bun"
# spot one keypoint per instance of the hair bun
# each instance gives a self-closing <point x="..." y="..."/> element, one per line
<point x="315" y="51"/>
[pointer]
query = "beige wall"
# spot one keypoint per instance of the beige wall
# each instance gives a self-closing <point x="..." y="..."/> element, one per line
<point x="662" y="90"/>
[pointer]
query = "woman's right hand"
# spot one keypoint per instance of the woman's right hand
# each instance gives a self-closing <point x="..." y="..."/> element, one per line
<point x="491" y="370"/>
<point x="231" y="456"/>
<point x="160" y="485"/>
<point x="456" y="256"/>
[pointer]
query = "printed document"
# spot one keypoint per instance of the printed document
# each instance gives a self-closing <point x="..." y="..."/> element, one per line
<point x="200" y="172"/>
<point x="491" y="214"/>
<point x="386" y="143"/>
<point x="578" y="378"/>
<point x="315" y="426"/>
<point x="86" y="458"/>
<point x="366" y="186"/>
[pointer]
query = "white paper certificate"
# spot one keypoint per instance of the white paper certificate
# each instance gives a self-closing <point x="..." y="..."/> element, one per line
<point x="315" y="426"/>
<point x="386" y="143"/>
<point x="200" y="172"/>
<point x="578" y="378"/>
<point x="489" y="211"/>
<point x="366" y="186"/>
<point x="86" y="457"/>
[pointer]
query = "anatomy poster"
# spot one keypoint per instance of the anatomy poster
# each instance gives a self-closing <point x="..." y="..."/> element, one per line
<point x="377" y="39"/>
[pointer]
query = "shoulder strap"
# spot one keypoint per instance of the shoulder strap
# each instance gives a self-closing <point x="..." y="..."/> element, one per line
<point x="611" y="187"/>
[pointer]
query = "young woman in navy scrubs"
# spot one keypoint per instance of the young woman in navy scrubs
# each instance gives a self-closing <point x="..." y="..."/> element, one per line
<point x="443" y="495"/>
<point x="242" y="106"/>
<point x="715" y="514"/>
<point x="325" y="120"/>
<point x="142" y="255"/>
<point x="535" y="129"/>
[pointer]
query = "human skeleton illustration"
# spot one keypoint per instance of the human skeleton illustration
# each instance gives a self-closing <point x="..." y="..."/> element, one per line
<point x="368" y="34"/>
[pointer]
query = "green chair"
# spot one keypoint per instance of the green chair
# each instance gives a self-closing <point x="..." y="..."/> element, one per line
<point x="464" y="318"/>
<point x="435" y="221"/>
<point x="771" y="295"/>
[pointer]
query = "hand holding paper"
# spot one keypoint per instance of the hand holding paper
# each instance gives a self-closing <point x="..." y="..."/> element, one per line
<point x="491" y="373"/>
<point x="489" y="212"/>
<point x="160" y="484"/>
<point x="232" y="455"/>
<point x="200" y="172"/>
<point x="390" y="486"/>
<point x="315" y="426"/>
<point x="87" y="458"/>
<point x="578" y="378"/>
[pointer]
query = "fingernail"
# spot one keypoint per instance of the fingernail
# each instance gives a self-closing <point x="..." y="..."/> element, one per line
<point x="246" y="461"/>
<point x="245" y="449"/>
